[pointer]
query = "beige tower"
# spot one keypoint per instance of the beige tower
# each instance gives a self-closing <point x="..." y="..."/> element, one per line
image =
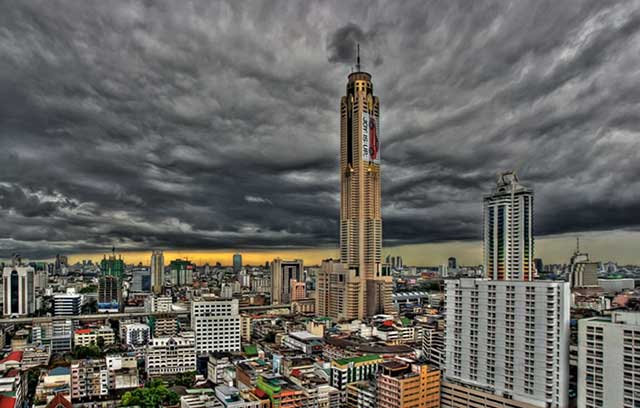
<point x="360" y="194"/>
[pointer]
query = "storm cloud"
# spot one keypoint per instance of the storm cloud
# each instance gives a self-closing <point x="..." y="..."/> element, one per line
<point x="211" y="125"/>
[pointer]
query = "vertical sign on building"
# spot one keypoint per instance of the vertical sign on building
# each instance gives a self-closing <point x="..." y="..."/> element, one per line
<point x="365" y="136"/>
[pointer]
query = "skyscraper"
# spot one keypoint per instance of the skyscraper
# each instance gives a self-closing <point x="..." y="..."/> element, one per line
<point x="19" y="290"/>
<point x="508" y="237"/>
<point x="157" y="271"/>
<point x="237" y="263"/>
<point x="360" y="195"/>
<point x="110" y="284"/>
<point x="282" y="273"/>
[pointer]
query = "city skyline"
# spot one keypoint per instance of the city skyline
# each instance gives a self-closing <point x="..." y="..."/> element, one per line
<point x="220" y="139"/>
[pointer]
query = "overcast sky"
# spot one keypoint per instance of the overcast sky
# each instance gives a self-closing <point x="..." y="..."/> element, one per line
<point x="214" y="125"/>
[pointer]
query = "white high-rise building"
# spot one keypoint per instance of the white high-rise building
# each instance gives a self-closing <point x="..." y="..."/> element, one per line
<point x="508" y="338"/>
<point x="216" y="323"/>
<point x="609" y="361"/>
<point x="508" y="224"/>
<point x="19" y="290"/>
<point x="157" y="271"/>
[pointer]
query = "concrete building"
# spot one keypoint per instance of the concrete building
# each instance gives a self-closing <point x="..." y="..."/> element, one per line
<point x="608" y="366"/>
<point x="402" y="383"/>
<point x="137" y="334"/>
<point x="282" y="272"/>
<point x="613" y="286"/>
<point x="338" y="291"/>
<point x="164" y="326"/>
<point x="162" y="304"/>
<point x="110" y="284"/>
<point x="237" y="264"/>
<point x="216" y="323"/>
<point x="298" y="290"/>
<point x="170" y="355"/>
<point x="19" y="290"/>
<point x="86" y="337"/>
<point x="89" y="379"/>
<point x="510" y="338"/>
<point x="67" y="304"/>
<point x="181" y="272"/>
<point x="508" y="225"/>
<point x="140" y="280"/>
<point x="347" y="370"/>
<point x="360" y="198"/>
<point x="157" y="271"/>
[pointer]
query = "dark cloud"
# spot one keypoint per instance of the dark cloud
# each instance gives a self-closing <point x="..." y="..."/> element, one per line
<point x="215" y="125"/>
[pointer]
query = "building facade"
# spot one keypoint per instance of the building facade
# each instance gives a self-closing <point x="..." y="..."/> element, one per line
<point x="170" y="356"/>
<point x="67" y="304"/>
<point x="282" y="273"/>
<point x="508" y="225"/>
<point x="360" y="196"/>
<point x="510" y="338"/>
<point x="403" y="384"/>
<point x="157" y="271"/>
<point x="19" y="290"/>
<point x="216" y="323"/>
<point x="609" y="361"/>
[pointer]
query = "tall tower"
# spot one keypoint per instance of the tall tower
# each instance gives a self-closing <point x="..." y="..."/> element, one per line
<point x="508" y="236"/>
<point x="157" y="271"/>
<point x="360" y="193"/>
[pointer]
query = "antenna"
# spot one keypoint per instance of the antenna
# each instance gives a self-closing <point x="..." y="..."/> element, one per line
<point x="578" y="244"/>
<point x="358" y="57"/>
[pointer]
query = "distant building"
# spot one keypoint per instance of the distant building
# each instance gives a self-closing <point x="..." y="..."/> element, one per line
<point x="110" y="284"/>
<point x="452" y="263"/>
<point x="539" y="265"/>
<point x="606" y="364"/>
<point x="19" y="290"/>
<point x="141" y="280"/>
<point x="282" y="273"/>
<point x="237" y="263"/>
<point x="216" y="323"/>
<point x="157" y="271"/>
<point x="508" y="230"/>
<point x="181" y="272"/>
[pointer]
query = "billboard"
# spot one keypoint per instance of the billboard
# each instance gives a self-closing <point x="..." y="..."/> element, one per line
<point x="370" y="138"/>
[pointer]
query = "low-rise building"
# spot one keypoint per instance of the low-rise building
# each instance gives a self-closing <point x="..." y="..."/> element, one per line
<point x="86" y="337"/>
<point x="303" y="341"/>
<point x="34" y="356"/>
<point x="89" y="379"/>
<point x="67" y="304"/>
<point x="53" y="382"/>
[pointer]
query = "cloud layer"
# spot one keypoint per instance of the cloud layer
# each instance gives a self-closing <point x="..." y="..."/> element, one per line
<point x="215" y="125"/>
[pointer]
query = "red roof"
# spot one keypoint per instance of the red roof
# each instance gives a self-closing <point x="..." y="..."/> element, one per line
<point x="295" y="373"/>
<point x="83" y="331"/>
<point x="257" y="391"/>
<point x="59" y="401"/>
<point x="13" y="356"/>
<point x="7" y="402"/>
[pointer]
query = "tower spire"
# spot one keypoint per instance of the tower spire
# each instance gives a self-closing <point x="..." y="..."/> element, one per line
<point x="358" y="57"/>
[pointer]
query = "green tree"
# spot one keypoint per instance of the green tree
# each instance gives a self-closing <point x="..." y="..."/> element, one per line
<point x="155" y="394"/>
